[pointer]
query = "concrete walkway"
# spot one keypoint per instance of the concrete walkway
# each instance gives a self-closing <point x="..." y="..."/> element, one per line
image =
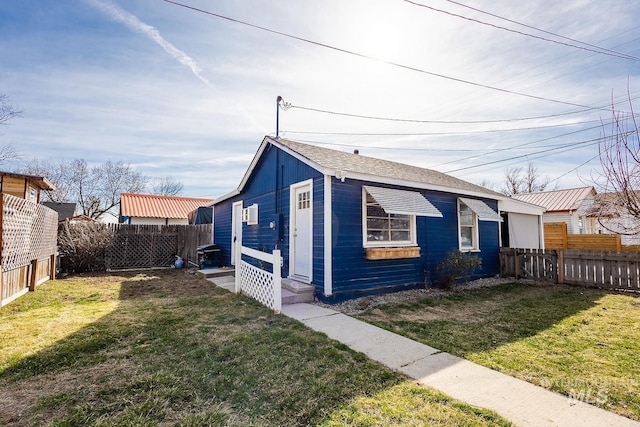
<point x="519" y="401"/>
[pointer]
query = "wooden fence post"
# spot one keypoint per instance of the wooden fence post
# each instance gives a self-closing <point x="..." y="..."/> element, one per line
<point x="34" y="275"/>
<point x="516" y="261"/>
<point x="52" y="266"/>
<point x="560" y="261"/>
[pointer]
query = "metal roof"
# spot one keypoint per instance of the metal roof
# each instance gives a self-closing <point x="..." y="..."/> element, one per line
<point x="155" y="206"/>
<point x="558" y="200"/>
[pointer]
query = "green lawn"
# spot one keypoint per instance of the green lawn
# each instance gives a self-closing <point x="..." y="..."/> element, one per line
<point x="169" y="348"/>
<point x="584" y="343"/>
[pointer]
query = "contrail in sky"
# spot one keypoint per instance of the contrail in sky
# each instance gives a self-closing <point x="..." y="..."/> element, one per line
<point x="131" y="21"/>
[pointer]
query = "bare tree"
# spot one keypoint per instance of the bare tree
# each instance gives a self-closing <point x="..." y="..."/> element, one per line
<point x="618" y="183"/>
<point x="519" y="181"/>
<point x="7" y="112"/>
<point x="95" y="189"/>
<point x="167" y="186"/>
<point x="56" y="172"/>
<point x="487" y="184"/>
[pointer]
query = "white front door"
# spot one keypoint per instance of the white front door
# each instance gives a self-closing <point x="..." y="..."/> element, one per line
<point x="301" y="231"/>
<point x="236" y="229"/>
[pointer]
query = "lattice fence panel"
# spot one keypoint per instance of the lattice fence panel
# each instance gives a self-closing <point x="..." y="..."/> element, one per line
<point x="141" y="251"/>
<point x="258" y="284"/>
<point x="29" y="231"/>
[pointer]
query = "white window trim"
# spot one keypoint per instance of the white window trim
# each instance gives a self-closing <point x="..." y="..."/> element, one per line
<point x="397" y="244"/>
<point x="476" y="234"/>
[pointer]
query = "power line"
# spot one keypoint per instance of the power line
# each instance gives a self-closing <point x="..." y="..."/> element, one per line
<point x="574" y="169"/>
<point x="421" y="149"/>
<point x="458" y="122"/>
<point x="471" y="132"/>
<point x="601" y="51"/>
<point x="613" y="52"/>
<point x="527" y="143"/>
<point x="394" y="64"/>
<point x="566" y="148"/>
<point x="337" y="144"/>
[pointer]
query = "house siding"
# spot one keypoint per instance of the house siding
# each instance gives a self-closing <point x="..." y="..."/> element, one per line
<point x="268" y="187"/>
<point x="353" y="274"/>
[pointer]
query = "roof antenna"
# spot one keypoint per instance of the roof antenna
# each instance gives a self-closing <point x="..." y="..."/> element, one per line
<point x="280" y="103"/>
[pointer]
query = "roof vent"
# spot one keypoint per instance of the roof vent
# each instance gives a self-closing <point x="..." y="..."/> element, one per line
<point x="356" y="151"/>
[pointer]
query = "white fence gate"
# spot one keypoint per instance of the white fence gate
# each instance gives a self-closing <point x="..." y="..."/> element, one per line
<point x="257" y="283"/>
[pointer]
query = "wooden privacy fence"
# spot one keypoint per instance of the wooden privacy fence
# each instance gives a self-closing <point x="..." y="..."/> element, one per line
<point x="604" y="269"/>
<point x="148" y="246"/>
<point x="28" y="248"/>
<point x="556" y="237"/>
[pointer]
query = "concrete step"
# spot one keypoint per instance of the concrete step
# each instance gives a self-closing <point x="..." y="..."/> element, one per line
<point x="297" y="287"/>
<point x="217" y="272"/>
<point x="289" y="297"/>
<point x="225" y="282"/>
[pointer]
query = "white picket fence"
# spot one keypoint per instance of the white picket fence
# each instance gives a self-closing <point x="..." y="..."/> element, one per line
<point x="257" y="283"/>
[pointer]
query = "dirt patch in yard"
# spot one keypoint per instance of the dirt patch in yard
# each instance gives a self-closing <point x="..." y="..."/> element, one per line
<point x="18" y="397"/>
<point x="360" y="305"/>
<point x="464" y="313"/>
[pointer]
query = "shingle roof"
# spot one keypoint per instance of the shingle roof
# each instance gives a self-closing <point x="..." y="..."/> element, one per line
<point x="558" y="200"/>
<point x="65" y="210"/>
<point x="379" y="168"/>
<point x="154" y="206"/>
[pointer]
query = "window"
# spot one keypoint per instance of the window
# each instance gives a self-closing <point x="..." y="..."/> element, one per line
<point x="304" y="200"/>
<point x="386" y="229"/>
<point x="468" y="224"/>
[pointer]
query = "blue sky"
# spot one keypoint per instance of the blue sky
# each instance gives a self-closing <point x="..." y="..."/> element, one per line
<point x="180" y="93"/>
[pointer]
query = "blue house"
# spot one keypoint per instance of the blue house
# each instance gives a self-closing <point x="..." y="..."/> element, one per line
<point x="351" y="225"/>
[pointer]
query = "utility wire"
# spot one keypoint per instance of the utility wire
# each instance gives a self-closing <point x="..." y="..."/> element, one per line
<point x="498" y="150"/>
<point x="457" y="122"/>
<point x="373" y="58"/>
<point x="471" y="132"/>
<point x="601" y="51"/>
<point x="574" y="169"/>
<point x="613" y="52"/>
<point x="568" y="147"/>
<point x="421" y="149"/>
<point x="525" y="155"/>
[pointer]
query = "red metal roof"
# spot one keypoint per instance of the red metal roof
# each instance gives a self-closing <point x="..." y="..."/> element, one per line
<point x="558" y="200"/>
<point x="154" y="206"/>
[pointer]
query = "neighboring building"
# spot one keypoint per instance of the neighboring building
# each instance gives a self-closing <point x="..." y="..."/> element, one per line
<point x="571" y="206"/>
<point x="611" y="216"/>
<point x="29" y="232"/>
<point x="202" y="215"/>
<point x="26" y="187"/>
<point x="522" y="225"/>
<point x="158" y="210"/>
<point x="65" y="210"/>
<point x="351" y="225"/>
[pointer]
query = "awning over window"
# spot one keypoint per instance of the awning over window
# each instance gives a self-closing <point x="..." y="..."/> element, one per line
<point x="484" y="212"/>
<point x="403" y="202"/>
